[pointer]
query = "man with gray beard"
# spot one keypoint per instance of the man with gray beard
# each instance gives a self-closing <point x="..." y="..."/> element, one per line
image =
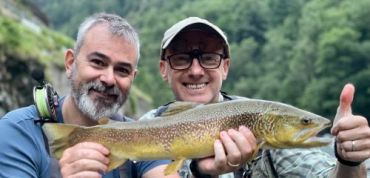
<point x="101" y="69"/>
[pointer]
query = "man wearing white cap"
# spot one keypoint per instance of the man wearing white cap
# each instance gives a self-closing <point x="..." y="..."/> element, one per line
<point x="194" y="62"/>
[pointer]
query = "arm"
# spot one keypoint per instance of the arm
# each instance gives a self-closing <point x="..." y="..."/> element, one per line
<point x="158" y="172"/>
<point x="22" y="149"/>
<point x="231" y="152"/>
<point x="352" y="135"/>
<point x="342" y="171"/>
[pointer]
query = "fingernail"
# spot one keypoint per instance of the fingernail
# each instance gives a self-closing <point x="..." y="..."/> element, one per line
<point x="334" y="131"/>
<point x="243" y="128"/>
<point x="106" y="151"/>
<point x="218" y="141"/>
<point x="222" y="134"/>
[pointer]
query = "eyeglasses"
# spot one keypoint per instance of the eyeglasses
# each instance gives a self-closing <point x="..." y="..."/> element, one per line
<point x="183" y="61"/>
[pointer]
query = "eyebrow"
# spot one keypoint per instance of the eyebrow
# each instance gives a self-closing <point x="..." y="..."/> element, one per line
<point x="100" y="55"/>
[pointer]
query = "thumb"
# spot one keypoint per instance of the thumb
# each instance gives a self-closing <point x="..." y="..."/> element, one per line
<point x="346" y="98"/>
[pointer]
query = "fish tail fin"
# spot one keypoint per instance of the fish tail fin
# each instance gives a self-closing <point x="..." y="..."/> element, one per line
<point x="174" y="166"/>
<point x="58" y="137"/>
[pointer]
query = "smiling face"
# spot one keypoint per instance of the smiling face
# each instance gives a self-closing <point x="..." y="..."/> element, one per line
<point x="102" y="72"/>
<point x="195" y="84"/>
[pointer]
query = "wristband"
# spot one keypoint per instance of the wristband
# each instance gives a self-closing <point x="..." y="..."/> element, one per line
<point x="195" y="170"/>
<point x="342" y="161"/>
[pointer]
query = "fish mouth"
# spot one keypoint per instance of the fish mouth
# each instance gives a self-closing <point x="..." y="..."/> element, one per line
<point x="310" y="138"/>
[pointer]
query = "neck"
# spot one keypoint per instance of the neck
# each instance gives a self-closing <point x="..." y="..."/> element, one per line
<point x="72" y="115"/>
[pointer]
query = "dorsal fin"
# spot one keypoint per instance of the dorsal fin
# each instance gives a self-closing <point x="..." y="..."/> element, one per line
<point x="179" y="106"/>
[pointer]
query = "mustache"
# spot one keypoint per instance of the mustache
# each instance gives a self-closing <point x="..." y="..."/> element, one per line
<point x="100" y="87"/>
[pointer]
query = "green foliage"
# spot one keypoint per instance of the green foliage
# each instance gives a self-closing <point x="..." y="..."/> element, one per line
<point x="300" y="52"/>
<point x="26" y="43"/>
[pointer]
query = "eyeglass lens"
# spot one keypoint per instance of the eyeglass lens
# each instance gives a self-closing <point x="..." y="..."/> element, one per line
<point x="185" y="60"/>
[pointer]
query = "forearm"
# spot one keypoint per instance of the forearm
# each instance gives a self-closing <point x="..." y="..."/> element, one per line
<point x="343" y="171"/>
<point x="196" y="173"/>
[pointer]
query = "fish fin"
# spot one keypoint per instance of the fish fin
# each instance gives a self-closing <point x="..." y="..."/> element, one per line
<point x="58" y="137"/>
<point x="174" y="166"/>
<point x="259" y="146"/>
<point x="115" y="161"/>
<point x="178" y="107"/>
<point x="105" y="120"/>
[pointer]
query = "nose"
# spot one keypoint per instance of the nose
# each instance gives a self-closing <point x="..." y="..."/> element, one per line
<point x="108" y="78"/>
<point x="196" y="68"/>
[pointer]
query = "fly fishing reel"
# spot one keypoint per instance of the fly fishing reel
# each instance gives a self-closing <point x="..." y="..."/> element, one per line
<point x="45" y="98"/>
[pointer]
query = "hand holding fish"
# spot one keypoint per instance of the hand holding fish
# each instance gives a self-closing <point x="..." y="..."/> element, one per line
<point x="352" y="131"/>
<point x="86" y="159"/>
<point x="232" y="151"/>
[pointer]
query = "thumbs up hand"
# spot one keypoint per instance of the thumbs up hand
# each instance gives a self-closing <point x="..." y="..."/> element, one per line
<point x="352" y="131"/>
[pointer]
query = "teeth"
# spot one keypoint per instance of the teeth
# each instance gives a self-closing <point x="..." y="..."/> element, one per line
<point x="196" y="86"/>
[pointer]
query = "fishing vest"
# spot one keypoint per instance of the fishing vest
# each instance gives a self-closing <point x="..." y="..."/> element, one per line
<point x="263" y="157"/>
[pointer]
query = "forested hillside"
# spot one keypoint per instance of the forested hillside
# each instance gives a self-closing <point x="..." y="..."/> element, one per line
<point x="300" y="52"/>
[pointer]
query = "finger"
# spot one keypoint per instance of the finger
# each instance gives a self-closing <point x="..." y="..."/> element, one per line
<point x="245" y="141"/>
<point x="355" y="145"/>
<point x="220" y="155"/>
<point x="84" y="151"/>
<point x="344" y="108"/>
<point x="355" y="128"/>
<point x="94" y="146"/>
<point x="232" y="151"/>
<point x="85" y="174"/>
<point x="346" y="98"/>
<point x="72" y="156"/>
<point x="354" y="156"/>
<point x="83" y="165"/>
<point x="248" y="134"/>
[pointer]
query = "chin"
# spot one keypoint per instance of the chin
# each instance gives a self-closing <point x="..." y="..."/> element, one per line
<point x="198" y="99"/>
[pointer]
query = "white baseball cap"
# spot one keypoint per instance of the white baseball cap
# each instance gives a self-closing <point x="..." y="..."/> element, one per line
<point x="191" y="23"/>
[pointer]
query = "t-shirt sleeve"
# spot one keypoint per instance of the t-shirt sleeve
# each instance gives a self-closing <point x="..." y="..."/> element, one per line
<point x="144" y="166"/>
<point x="20" y="151"/>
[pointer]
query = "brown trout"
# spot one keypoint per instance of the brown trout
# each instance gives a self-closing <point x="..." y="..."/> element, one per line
<point x="188" y="130"/>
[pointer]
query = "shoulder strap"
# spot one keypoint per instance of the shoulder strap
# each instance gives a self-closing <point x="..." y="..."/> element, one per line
<point x="226" y="96"/>
<point x="268" y="154"/>
<point x="39" y="123"/>
<point x="45" y="142"/>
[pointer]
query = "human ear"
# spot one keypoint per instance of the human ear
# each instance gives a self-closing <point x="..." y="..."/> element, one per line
<point x="225" y="68"/>
<point x="163" y="70"/>
<point x="69" y="59"/>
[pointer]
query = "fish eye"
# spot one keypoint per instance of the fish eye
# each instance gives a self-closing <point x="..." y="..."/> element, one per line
<point x="306" y="121"/>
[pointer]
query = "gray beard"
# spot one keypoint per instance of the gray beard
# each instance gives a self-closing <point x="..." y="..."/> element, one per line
<point x="98" y="108"/>
<point x="95" y="110"/>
